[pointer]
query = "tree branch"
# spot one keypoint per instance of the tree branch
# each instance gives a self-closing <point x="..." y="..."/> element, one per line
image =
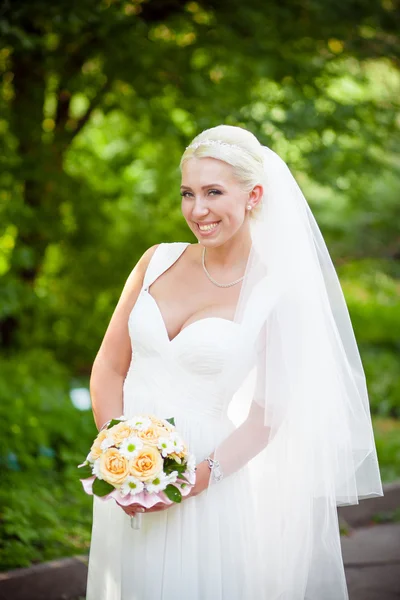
<point x="94" y="104"/>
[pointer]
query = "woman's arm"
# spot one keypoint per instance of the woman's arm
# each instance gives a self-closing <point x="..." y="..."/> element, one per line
<point x="237" y="449"/>
<point x="245" y="442"/>
<point x="114" y="356"/>
<point x="249" y="439"/>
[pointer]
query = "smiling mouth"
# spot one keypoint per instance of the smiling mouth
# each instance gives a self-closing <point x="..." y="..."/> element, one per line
<point x="208" y="226"/>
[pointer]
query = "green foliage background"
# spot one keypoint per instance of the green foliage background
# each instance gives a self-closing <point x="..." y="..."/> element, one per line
<point x="97" y="102"/>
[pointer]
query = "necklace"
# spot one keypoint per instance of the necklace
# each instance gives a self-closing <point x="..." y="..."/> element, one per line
<point x="224" y="285"/>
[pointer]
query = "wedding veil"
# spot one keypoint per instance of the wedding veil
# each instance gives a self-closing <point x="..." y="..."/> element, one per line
<point x="303" y="425"/>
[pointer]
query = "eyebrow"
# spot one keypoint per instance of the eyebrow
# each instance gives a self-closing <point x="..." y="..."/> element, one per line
<point x="203" y="186"/>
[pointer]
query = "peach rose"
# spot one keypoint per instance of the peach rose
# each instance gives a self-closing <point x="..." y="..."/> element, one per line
<point x="113" y="467"/>
<point x="147" y="464"/>
<point x="121" y="431"/>
<point x="151" y="435"/>
<point x="95" y="450"/>
<point x="163" y="424"/>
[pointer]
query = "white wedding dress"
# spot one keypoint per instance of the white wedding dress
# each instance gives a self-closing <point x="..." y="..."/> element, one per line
<point x="201" y="549"/>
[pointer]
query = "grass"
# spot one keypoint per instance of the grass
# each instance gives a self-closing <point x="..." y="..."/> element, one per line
<point x="387" y="439"/>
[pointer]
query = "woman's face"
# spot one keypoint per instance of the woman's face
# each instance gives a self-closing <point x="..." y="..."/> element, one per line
<point x="213" y="202"/>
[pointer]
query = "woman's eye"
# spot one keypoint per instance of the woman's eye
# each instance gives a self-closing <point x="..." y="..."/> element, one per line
<point x="184" y="193"/>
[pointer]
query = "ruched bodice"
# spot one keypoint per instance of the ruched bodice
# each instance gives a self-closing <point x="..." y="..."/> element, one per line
<point x="186" y="373"/>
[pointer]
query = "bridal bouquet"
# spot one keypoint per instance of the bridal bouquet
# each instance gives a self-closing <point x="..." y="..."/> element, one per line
<point x="140" y="460"/>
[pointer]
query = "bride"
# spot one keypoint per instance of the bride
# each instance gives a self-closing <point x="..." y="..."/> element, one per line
<point x="245" y="339"/>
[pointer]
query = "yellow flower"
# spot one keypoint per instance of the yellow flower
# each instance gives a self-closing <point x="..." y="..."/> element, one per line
<point x="147" y="464"/>
<point x="163" y="424"/>
<point x="184" y="451"/>
<point x="95" y="450"/>
<point x="176" y="457"/>
<point x="113" y="467"/>
<point x="181" y="454"/>
<point x="121" y="431"/>
<point x="151" y="435"/>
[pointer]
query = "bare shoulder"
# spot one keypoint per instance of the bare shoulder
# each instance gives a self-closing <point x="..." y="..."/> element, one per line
<point x="136" y="276"/>
<point x="191" y="254"/>
<point x="144" y="260"/>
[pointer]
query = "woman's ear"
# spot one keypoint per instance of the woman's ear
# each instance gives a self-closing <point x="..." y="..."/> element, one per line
<point x="255" y="196"/>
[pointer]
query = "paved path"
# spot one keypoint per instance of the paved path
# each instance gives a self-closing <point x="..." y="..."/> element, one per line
<point x="372" y="561"/>
<point x="371" y="556"/>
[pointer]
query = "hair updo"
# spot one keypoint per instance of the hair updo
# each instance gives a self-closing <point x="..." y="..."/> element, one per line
<point x="239" y="148"/>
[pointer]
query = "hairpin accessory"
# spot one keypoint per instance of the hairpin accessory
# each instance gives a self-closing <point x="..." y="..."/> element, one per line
<point x="195" y="145"/>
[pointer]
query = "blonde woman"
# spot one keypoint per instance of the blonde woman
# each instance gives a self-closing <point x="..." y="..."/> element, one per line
<point x="245" y="339"/>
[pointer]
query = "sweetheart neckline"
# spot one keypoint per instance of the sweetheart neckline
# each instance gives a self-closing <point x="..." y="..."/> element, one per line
<point x="170" y="341"/>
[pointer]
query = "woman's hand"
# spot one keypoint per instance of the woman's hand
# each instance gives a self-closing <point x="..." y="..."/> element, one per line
<point x="202" y="480"/>
<point x="134" y="509"/>
<point x="203" y="474"/>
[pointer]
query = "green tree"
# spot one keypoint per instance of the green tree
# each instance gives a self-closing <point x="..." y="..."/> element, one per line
<point x="97" y="102"/>
<point x="161" y="71"/>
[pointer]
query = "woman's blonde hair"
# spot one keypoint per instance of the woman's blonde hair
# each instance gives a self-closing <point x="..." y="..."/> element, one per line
<point x="234" y="145"/>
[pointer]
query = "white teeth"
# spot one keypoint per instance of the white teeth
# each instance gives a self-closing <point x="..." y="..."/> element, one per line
<point x="207" y="227"/>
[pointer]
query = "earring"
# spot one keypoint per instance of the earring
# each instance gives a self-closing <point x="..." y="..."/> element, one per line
<point x="249" y="207"/>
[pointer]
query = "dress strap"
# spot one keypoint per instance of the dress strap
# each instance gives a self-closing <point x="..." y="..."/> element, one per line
<point x="164" y="257"/>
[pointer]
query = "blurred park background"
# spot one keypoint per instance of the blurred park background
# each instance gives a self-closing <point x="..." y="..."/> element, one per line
<point x="98" y="100"/>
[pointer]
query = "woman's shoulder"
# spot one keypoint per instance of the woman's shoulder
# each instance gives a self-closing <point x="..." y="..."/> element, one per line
<point x="167" y="247"/>
<point x="175" y="244"/>
<point x="147" y="256"/>
<point x="170" y="245"/>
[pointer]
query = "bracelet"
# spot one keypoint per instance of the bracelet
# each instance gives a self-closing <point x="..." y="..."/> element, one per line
<point x="216" y="471"/>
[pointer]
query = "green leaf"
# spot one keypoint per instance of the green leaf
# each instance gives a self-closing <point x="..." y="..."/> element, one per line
<point x="173" y="493"/>
<point x="171" y="462"/>
<point x="174" y="466"/>
<point x="101" y="487"/>
<point x="180" y="469"/>
<point x="171" y="420"/>
<point x="85" y="471"/>
<point x="113" y="422"/>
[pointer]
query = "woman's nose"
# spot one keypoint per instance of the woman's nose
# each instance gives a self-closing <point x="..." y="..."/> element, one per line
<point x="199" y="208"/>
